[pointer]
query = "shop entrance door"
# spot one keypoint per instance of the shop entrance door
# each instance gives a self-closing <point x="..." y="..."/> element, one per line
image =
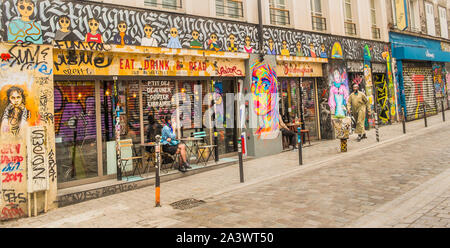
<point x="225" y="114"/>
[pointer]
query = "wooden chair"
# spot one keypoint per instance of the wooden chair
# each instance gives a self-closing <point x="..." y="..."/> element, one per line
<point x="127" y="145"/>
<point x="210" y="148"/>
<point x="303" y="133"/>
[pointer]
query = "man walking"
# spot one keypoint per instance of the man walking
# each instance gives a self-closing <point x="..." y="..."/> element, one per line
<point x="358" y="105"/>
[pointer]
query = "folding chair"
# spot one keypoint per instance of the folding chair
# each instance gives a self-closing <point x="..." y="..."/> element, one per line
<point x="127" y="147"/>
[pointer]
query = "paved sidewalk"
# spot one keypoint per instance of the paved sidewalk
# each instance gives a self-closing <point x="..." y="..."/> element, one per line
<point x="325" y="171"/>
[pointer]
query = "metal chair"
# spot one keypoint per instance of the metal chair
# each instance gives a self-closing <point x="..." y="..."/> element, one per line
<point x="127" y="145"/>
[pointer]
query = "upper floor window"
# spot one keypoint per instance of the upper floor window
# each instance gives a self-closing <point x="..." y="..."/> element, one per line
<point x="443" y="22"/>
<point x="376" y="34"/>
<point x="230" y="8"/>
<point x="164" y="4"/>
<point x="413" y="15"/>
<point x="279" y="13"/>
<point x="318" y="21"/>
<point x="349" y="25"/>
<point x="429" y="13"/>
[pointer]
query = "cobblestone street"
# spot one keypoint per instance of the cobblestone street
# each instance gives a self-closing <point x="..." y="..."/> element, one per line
<point x="404" y="181"/>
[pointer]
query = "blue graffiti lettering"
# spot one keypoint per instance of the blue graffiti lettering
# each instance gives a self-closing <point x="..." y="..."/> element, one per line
<point x="11" y="167"/>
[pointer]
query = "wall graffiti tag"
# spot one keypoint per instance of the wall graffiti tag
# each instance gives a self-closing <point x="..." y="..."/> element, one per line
<point x="382" y="97"/>
<point x="38" y="178"/>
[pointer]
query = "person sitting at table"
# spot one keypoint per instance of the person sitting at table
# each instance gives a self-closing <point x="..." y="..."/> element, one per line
<point x="153" y="129"/>
<point x="171" y="145"/>
<point x="288" y="133"/>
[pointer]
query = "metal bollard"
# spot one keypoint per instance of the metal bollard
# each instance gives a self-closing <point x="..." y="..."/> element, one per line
<point x="404" y="120"/>
<point x="299" y="146"/>
<point x="425" y="115"/>
<point x="158" y="168"/>
<point x="241" y="164"/>
<point x="443" y="110"/>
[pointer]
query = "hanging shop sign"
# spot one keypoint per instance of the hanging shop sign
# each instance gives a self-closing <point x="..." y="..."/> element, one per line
<point x="296" y="69"/>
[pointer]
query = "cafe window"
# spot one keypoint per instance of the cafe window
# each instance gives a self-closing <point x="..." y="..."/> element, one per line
<point x="75" y="130"/>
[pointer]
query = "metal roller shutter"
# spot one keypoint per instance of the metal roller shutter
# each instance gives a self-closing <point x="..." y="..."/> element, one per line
<point x="418" y="81"/>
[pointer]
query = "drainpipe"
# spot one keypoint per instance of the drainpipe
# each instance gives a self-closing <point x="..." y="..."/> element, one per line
<point x="260" y="31"/>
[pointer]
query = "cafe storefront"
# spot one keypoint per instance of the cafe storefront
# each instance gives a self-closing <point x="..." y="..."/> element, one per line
<point x="91" y="83"/>
<point x="299" y="78"/>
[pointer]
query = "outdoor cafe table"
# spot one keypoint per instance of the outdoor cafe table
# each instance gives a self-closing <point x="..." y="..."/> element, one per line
<point x="294" y="126"/>
<point x="192" y="148"/>
<point x="144" y="145"/>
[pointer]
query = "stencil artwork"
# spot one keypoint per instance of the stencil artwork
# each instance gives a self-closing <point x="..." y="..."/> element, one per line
<point x="16" y="114"/>
<point x="264" y="90"/>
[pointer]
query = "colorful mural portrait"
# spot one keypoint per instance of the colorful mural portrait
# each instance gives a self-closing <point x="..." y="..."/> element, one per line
<point x="93" y="35"/>
<point x="312" y="50"/>
<point x="271" y="50"/>
<point x="264" y="90"/>
<point x="339" y="92"/>
<point x="336" y="52"/>
<point x="64" y="32"/>
<point x="23" y="29"/>
<point x="232" y="43"/>
<point x="299" y="49"/>
<point x="248" y="45"/>
<point x="323" y="52"/>
<point x="174" y="40"/>
<point x="148" y="40"/>
<point x="195" y="43"/>
<point x="285" y="49"/>
<point x="121" y="37"/>
<point x="213" y="43"/>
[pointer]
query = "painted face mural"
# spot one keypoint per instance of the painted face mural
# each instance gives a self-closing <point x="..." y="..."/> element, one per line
<point x="285" y="49"/>
<point x="232" y="45"/>
<point x="23" y="29"/>
<point x="121" y="38"/>
<point x="174" y="41"/>
<point x="213" y="45"/>
<point x="299" y="51"/>
<point x="264" y="90"/>
<point x="148" y="40"/>
<point x="271" y="50"/>
<point x="195" y="43"/>
<point x="15" y="115"/>
<point x="248" y="45"/>
<point x="93" y="35"/>
<point x="64" y="33"/>
<point x="338" y="92"/>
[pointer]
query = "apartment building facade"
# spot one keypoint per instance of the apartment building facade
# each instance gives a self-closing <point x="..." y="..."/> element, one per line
<point x="92" y="71"/>
<point x="418" y="31"/>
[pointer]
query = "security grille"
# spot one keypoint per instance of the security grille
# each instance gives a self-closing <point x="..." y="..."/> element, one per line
<point x="419" y="91"/>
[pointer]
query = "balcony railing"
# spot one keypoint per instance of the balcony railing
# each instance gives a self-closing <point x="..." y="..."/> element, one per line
<point x="235" y="10"/>
<point x="279" y="16"/>
<point x="376" y="33"/>
<point x="319" y="23"/>
<point x="350" y="28"/>
<point x="165" y="4"/>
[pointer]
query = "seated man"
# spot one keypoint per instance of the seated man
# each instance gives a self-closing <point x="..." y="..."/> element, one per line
<point x="288" y="133"/>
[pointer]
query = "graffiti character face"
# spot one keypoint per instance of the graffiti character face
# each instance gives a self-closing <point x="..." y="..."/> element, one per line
<point x="195" y="35"/>
<point x="122" y="27"/>
<point x="93" y="25"/>
<point x="284" y="44"/>
<point x="64" y="22"/>
<point x="232" y="38"/>
<point x="26" y="8"/>
<point x="174" y="32"/>
<point x="248" y="41"/>
<point x="311" y="46"/>
<point x="323" y="48"/>
<point x="270" y="43"/>
<point x="264" y="89"/>
<point x="148" y="30"/>
<point x="299" y="46"/>
<point x="214" y="38"/>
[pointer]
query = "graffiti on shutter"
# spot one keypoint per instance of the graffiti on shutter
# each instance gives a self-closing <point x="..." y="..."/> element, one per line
<point x="419" y="90"/>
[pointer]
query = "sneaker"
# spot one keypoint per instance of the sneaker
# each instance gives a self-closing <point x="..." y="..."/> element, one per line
<point x="186" y="165"/>
<point x="182" y="168"/>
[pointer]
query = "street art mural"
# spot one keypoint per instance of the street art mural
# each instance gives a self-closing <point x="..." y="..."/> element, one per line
<point x="390" y="81"/>
<point x="439" y="80"/>
<point x="339" y="91"/>
<point x="264" y="89"/>
<point x="40" y="21"/>
<point x="319" y="45"/>
<point x="27" y="138"/>
<point x="382" y="97"/>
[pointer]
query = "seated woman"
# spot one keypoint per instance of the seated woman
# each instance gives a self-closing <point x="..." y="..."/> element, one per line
<point x="171" y="145"/>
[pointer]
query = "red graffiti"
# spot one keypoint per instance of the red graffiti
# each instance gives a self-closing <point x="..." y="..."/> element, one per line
<point x="5" y="159"/>
<point x="197" y="66"/>
<point x="12" y="177"/>
<point x="11" y="212"/>
<point x="6" y="56"/>
<point x="418" y="80"/>
<point x="288" y="69"/>
<point x="10" y="149"/>
<point x="225" y="70"/>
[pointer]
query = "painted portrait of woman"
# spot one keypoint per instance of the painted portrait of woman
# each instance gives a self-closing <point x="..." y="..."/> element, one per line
<point x="338" y="93"/>
<point x="264" y="90"/>
<point x="15" y="115"/>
